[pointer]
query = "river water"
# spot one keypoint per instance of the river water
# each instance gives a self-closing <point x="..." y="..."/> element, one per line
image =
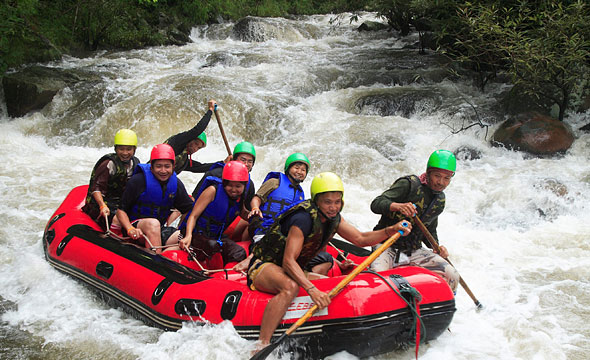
<point x="517" y="227"/>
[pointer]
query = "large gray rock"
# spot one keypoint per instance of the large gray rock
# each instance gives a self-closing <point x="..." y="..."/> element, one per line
<point x="399" y="101"/>
<point x="373" y="26"/>
<point x="534" y="133"/>
<point x="255" y="29"/>
<point x="33" y="88"/>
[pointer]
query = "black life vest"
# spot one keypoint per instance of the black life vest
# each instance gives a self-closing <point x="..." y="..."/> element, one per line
<point x="427" y="212"/>
<point x="271" y="247"/>
<point x="115" y="186"/>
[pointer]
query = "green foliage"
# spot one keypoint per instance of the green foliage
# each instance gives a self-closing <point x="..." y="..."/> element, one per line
<point x="543" y="46"/>
<point x="20" y="36"/>
<point x="473" y="33"/>
<point x="40" y="30"/>
<point x="548" y="48"/>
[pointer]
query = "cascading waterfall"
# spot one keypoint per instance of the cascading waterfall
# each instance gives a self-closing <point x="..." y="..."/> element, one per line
<point x="516" y="226"/>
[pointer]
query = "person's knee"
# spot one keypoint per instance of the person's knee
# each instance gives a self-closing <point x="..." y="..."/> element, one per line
<point x="149" y="226"/>
<point x="322" y="268"/>
<point x="291" y="288"/>
<point x="454" y="278"/>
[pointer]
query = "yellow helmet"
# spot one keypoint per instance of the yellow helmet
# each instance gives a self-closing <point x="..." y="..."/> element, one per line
<point x="125" y="137"/>
<point x="326" y="182"/>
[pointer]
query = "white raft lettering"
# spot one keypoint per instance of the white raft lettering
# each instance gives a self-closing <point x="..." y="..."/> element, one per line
<point x="299" y="307"/>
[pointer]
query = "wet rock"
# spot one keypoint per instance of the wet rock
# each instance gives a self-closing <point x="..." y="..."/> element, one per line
<point x="373" y="26"/>
<point x="252" y="29"/>
<point x="399" y="101"/>
<point x="535" y="134"/>
<point x="172" y="30"/>
<point x="467" y="153"/>
<point x="554" y="186"/>
<point x="586" y="128"/>
<point x="34" y="87"/>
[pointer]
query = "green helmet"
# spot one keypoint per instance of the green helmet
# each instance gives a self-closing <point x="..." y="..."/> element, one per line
<point x="244" y="147"/>
<point x="296" y="157"/>
<point x="326" y="182"/>
<point x="203" y="138"/>
<point x="442" y="159"/>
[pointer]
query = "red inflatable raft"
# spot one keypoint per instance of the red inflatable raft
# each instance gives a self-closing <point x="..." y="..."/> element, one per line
<point x="370" y="316"/>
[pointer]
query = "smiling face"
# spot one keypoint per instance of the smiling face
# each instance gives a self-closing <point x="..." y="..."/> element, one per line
<point x="162" y="169"/>
<point x="439" y="179"/>
<point x="234" y="189"/>
<point x="125" y="152"/>
<point x="298" y="171"/>
<point x="246" y="159"/>
<point x="330" y="203"/>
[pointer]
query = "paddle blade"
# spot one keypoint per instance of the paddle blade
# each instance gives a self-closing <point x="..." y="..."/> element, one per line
<point x="263" y="354"/>
<point x="350" y="248"/>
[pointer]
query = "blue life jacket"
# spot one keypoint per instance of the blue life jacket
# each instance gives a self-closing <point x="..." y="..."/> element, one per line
<point x="152" y="203"/>
<point x="279" y="200"/>
<point x="220" y="212"/>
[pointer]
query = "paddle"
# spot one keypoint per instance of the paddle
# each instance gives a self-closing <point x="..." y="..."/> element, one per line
<point x="350" y="248"/>
<point x="221" y="129"/>
<point x="263" y="354"/>
<point x="436" y="248"/>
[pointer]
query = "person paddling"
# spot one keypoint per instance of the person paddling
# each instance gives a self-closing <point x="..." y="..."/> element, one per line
<point x="294" y="239"/>
<point x="420" y="196"/>
<point x="109" y="177"/>
<point x="186" y="143"/>
<point x="150" y="195"/>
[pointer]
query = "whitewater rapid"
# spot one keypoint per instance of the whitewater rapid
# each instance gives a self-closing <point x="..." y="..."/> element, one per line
<point x="517" y="227"/>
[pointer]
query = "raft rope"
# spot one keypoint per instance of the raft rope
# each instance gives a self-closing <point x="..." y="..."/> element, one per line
<point x="412" y="298"/>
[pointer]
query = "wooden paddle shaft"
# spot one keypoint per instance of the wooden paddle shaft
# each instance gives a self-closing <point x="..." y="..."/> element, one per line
<point x="346" y="280"/>
<point x="222" y="132"/>
<point x="434" y="245"/>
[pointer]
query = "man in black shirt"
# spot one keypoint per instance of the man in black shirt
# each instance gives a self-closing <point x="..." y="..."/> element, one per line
<point x="189" y="142"/>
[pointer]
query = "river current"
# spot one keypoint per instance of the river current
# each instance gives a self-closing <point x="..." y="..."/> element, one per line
<point x="517" y="227"/>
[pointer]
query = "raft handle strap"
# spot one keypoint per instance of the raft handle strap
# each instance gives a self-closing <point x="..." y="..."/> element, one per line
<point x="411" y="297"/>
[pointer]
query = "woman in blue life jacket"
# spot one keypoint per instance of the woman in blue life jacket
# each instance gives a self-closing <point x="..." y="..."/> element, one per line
<point x="220" y="201"/>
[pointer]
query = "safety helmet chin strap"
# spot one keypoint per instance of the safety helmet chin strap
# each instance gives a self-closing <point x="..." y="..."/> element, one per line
<point x="293" y="180"/>
<point x="326" y="216"/>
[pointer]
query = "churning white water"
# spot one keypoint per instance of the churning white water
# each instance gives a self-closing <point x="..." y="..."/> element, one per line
<point x="517" y="227"/>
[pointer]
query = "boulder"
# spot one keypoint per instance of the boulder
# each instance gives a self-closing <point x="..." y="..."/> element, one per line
<point x="34" y="87"/>
<point x="256" y="29"/>
<point x="465" y="153"/>
<point x="399" y="101"/>
<point x="535" y="134"/>
<point x="252" y="29"/>
<point x="373" y="26"/>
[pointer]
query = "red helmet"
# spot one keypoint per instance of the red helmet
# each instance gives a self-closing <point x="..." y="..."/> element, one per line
<point x="235" y="171"/>
<point x="162" y="152"/>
